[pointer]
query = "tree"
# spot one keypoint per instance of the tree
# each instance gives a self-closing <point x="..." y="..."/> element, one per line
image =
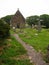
<point x="45" y="19"/>
<point x="32" y="20"/>
<point x="29" y="21"/>
<point x="35" y="19"/>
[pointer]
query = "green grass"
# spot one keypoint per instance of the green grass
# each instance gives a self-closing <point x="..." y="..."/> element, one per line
<point x="39" y="42"/>
<point x="18" y="62"/>
<point x="12" y="31"/>
<point x="13" y="50"/>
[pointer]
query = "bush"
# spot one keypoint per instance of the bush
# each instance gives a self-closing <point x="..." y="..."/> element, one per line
<point x="4" y="29"/>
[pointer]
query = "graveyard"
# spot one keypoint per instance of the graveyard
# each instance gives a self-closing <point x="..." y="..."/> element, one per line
<point x="31" y="36"/>
<point x="24" y="41"/>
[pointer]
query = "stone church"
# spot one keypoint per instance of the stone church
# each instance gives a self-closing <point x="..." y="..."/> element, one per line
<point x="17" y="21"/>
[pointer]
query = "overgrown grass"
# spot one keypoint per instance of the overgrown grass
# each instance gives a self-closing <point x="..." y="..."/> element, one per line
<point x="11" y="52"/>
<point x="39" y="41"/>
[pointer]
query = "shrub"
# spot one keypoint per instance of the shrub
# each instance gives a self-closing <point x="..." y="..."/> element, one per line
<point x="4" y="29"/>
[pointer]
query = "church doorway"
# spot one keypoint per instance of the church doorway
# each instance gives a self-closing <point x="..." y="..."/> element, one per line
<point x="18" y="26"/>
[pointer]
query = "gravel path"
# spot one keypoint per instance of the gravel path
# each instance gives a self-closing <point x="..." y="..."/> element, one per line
<point x="34" y="57"/>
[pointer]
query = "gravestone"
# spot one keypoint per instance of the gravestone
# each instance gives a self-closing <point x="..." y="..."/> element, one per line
<point x="39" y="26"/>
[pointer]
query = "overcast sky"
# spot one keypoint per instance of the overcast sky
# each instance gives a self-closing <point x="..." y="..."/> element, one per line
<point x="27" y="7"/>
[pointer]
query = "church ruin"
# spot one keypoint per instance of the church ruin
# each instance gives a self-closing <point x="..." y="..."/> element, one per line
<point x="18" y="21"/>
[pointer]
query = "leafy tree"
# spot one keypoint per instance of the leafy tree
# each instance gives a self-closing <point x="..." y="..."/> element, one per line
<point x="32" y="20"/>
<point x="29" y="21"/>
<point x="45" y="20"/>
<point x="35" y="19"/>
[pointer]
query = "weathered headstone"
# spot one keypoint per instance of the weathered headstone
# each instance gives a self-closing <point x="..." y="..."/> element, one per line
<point x="39" y="26"/>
